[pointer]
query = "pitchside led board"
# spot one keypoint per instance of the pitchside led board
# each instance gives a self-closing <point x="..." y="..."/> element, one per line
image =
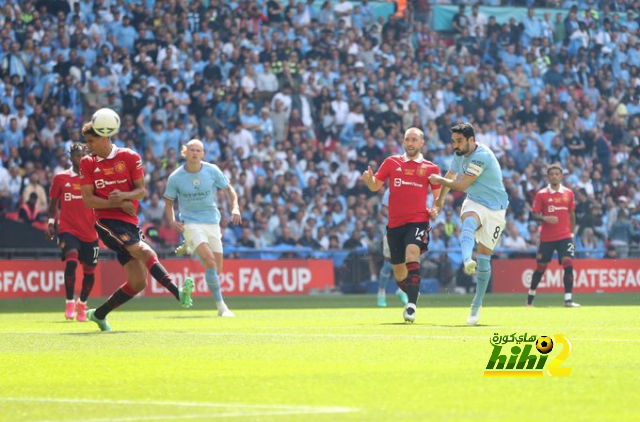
<point x="590" y="276"/>
<point x="45" y="278"/>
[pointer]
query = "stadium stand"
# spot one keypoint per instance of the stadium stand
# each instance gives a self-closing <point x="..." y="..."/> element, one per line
<point x="293" y="100"/>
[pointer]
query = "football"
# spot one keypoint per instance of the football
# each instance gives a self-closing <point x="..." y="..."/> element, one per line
<point x="544" y="344"/>
<point x="105" y="122"/>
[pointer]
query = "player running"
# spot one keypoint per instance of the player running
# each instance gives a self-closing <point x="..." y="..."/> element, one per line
<point x="194" y="186"/>
<point x="408" y="225"/>
<point x="385" y="271"/>
<point x="77" y="236"/>
<point x="555" y="207"/>
<point x="112" y="182"/>
<point x="476" y="171"/>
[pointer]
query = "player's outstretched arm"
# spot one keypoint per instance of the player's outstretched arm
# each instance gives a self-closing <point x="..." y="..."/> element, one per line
<point x="460" y="185"/>
<point x="370" y="180"/>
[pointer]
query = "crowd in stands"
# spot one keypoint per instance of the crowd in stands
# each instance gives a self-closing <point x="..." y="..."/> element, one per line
<point x="293" y="103"/>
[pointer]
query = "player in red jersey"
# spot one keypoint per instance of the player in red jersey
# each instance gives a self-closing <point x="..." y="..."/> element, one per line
<point x="408" y="226"/>
<point x="112" y="182"/>
<point x="554" y="206"/>
<point x="77" y="236"/>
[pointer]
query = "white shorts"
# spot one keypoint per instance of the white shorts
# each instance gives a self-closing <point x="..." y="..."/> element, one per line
<point x="386" y="252"/>
<point x="493" y="222"/>
<point x="196" y="234"/>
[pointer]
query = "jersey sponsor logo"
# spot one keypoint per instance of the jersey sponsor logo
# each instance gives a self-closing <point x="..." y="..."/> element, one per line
<point x="67" y="185"/>
<point x="101" y="183"/>
<point x="399" y="169"/>
<point x="68" y="196"/>
<point x="553" y="208"/>
<point x="97" y="170"/>
<point x="120" y="167"/>
<point x="406" y="183"/>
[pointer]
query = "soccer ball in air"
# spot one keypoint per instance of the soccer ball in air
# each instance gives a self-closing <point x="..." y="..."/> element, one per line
<point x="544" y="344"/>
<point x="105" y="122"/>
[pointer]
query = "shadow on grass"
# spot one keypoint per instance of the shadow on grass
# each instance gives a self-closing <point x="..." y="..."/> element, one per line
<point x="331" y="302"/>
<point x="100" y="333"/>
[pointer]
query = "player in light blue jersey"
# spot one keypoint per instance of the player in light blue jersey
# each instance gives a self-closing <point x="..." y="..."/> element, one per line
<point x="194" y="186"/>
<point x="476" y="171"/>
<point x="385" y="271"/>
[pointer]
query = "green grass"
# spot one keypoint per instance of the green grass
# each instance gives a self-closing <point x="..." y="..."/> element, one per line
<point x="315" y="358"/>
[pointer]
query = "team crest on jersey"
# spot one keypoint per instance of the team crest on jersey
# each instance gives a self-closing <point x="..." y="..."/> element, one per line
<point x="422" y="172"/>
<point x="125" y="237"/>
<point x="120" y="167"/>
<point x="196" y="182"/>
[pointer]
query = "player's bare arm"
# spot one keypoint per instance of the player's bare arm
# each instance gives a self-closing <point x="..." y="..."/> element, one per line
<point x="550" y="219"/>
<point x="236" y="218"/>
<point x="139" y="191"/>
<point x="460" y="184"/>
<point x="572" y="217"/>
<point x="370" y="180"/>
<point x="435" y="209"/>
<point x="171" y="215"/>
<point x="441" y="193"/>
<point x="53" y="216"/>
<point x="90" y="200"/>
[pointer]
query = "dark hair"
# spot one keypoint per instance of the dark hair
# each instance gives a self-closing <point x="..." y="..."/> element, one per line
<point x="76" y="147"/>
<point x="555" y="166"/>
<point x="87" y="129"/>
<point x="465" y="129"/>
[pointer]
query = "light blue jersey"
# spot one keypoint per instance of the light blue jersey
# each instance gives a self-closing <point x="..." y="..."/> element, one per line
<point x="487" y="189"/>
<point x="196" y="193"/>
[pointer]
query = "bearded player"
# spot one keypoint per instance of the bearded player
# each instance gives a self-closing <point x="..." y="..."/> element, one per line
<point x="408" y="221"/>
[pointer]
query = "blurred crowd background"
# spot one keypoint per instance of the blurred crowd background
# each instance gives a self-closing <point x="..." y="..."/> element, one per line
<point x="294" y="99"/>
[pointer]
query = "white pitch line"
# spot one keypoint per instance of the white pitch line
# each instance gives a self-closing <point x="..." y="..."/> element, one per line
<point x="253" y="409"/>
<point x="316" y="335"/>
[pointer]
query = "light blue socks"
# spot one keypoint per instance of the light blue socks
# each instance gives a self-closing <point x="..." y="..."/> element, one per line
<point x="483" y="276"/>
<point x="385" y="276"/>
<point x="211" y="277"/>
<point x="467" y="237"/>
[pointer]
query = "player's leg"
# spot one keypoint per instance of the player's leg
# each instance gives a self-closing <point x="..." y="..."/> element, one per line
<point x="70" y="246"/>
<point x="143" y="252"/>
<point x="89" y="259"/>
<point x="208" y="261"/>
<point x="566" y="251"/>
<point x="209" y="239"/>
<point x="397" y="250"/>
<point x="545" y="252"/>
<point x="470" y="224"/>
<point x="493" y="223"/>
<point x="483" y="275"/>
<point x="71" y="263"/>
<point x="385" y="274"/>
<point x="136" y="282"/>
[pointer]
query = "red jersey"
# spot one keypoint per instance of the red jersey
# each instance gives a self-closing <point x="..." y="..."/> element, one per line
<point x="408" y="188"/>
<point x="117" y="171"/>
<point x="74" y="217"/>
<point x="559" y="204"/>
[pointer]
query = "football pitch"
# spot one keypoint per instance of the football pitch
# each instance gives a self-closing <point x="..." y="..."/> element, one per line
<point x="314" y="358"/>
